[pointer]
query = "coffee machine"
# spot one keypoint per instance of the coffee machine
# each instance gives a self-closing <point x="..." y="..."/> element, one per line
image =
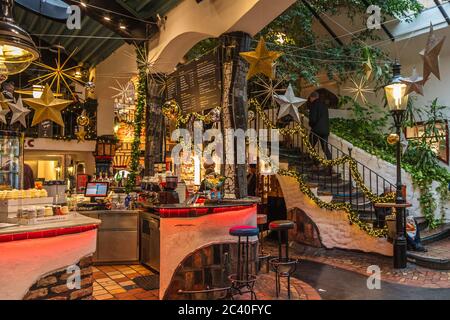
<point x="169" y="195"/>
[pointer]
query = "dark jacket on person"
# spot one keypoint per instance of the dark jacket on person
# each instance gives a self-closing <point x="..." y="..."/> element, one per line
<point x="319" y="119"/>
<point x="251" y="184"/>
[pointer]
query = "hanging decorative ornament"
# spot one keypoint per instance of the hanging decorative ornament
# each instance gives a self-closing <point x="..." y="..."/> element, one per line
<point x="125" y="93"/>
<point x="81" y="134"/>
<point x="251" y="116"/>
<point x="83" y="120"/>
<point x="171" y="110"/>
<point x="289" y="104"/>
<point x="359" y="89"/>
<point x="59" y="74"/>
<point x="269" y="89"/>
<point x="3" y="111"/>
<point x="3" y="101"/>
<point x="403" y="142"/>
<point x="261" y="60"/>
<point x="90" y="86"/>
<point x="19" y="112"/>
<point x="47" y="107"/>
<point x="430" y="55"/>
<point x="367" y="67"/>
<point x="414" y="82"/>
<point x="214" y="115"/>
<point x="393" y="138"/>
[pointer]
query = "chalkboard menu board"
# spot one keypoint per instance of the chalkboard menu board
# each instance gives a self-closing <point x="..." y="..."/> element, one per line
<point x="196" y="86"/>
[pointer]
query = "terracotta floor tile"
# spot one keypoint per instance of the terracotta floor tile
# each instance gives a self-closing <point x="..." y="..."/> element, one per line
<point x="127" y="283"/>
<point x="116" y="291"/>
<point x="99" y="292"/>
<point x="104" y="297"/>
<point x="118" y="276"/>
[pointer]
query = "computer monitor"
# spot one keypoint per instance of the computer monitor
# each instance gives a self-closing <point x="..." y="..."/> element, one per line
<point x="96" y="189"/>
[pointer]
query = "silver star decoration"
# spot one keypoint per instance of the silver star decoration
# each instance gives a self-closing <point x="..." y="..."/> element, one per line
<point x="3" y="113"/>
<point x="289" y="104"/>
<point x="19" y="112"/>
<point x="430" y="55"/>
<point x="414" y="82"/>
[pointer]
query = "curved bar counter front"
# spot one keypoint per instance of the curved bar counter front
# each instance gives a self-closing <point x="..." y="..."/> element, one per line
<point x="190" y="246"/>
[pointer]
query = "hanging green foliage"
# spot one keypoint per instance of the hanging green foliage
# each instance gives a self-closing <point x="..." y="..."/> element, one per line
<point x="138" y="125"/>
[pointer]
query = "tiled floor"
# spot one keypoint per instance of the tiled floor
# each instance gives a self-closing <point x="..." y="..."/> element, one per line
<point x="116" y="283"/>
<point x="439" y="249"/>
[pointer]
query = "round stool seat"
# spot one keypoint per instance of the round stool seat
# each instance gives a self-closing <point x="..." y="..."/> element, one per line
<point x="261" y="219"/>
<point x="244" y="231"/>
<point x="280" y="225"/>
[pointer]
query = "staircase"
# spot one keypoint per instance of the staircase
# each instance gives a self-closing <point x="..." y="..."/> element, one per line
<point x="337" y="181"/>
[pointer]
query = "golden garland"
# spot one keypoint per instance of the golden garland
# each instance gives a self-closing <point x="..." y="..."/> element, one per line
<point x="352" y="215"/>
<point x="353" y="165"/>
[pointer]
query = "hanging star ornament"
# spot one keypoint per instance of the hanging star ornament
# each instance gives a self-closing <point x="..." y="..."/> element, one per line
<point x="269" y="90"/>
<point x="47" y="107"/>
<point x="289" y="104"/>
<point x="81" y="134"/>
<point x="415" y="83"/>
<point x="59" y="74"/>
<point x="359" y="89"/>
<point x="19" y="112"/>
<point x="4" y="109"/>
<point x="430" y="55"/>
<point x="367" y="67"/>
<point x="261" y="60"/>
<point x="125" y="93"/>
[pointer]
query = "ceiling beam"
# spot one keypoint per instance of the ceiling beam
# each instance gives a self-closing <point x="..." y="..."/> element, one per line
<point x="322" y="22"/>
<point x="442" y="10"/>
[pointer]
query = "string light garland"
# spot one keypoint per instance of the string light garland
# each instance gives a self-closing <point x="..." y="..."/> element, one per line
<point x="352" y="215"/>
<point x="309" y="149"/>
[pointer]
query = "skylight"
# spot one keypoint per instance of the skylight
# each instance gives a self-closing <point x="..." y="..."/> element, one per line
<point x="55" y="9"/>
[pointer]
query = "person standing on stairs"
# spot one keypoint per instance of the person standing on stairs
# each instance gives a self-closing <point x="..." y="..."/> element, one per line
<point x="319" y="121"/>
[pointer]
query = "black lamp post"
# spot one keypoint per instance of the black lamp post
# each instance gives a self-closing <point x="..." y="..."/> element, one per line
<point x="397" y="100"/>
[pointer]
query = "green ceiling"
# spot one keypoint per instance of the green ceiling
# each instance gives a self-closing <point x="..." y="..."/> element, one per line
<point x="146" y="9"/>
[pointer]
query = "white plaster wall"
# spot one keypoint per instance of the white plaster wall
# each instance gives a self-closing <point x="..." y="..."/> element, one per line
<point x="121" y="66"/>
<point x="334" y="228"/>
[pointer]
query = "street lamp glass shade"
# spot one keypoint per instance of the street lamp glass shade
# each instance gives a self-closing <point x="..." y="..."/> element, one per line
<point x="396" y="96"/>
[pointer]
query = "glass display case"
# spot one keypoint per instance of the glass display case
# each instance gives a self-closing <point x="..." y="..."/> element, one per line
<point x="11" y="160"/>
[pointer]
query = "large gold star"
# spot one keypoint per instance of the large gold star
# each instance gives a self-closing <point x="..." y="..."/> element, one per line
<point x="430" y="55"/>
<point x="47" y="107"/>
<point x="81" y="134"/>
<point x="261" y="60"/>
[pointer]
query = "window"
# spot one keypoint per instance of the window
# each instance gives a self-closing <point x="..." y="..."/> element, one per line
<point x="440" y="147"/>
<point x="55" y="9"/>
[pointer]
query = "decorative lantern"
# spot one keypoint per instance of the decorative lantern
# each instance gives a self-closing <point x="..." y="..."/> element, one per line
<point x="396" y="96"/>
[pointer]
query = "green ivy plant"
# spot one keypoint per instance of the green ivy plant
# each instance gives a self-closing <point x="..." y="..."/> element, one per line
<point x="419" y="160"/>
<point x="138" y="125"/>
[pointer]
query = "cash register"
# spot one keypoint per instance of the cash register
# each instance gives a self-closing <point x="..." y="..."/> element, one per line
<point x="96" y="191"/>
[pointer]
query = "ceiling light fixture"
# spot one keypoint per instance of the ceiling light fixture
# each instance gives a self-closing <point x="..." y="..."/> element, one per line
<point x="17" y="49"/>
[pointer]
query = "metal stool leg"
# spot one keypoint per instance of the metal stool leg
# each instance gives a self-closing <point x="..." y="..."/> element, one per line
<point x="246" y="259"/>
<point x="238" y="271"/>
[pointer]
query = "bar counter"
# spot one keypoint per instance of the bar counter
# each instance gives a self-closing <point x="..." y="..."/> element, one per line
<point x="192" y="242"/>
<point x="30" y="253"/>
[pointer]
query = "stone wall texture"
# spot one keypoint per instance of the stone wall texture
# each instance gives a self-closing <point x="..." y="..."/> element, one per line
<point x="333" y="227"/>
<point x="208" y="267"/>
<point x="54" y="286"/>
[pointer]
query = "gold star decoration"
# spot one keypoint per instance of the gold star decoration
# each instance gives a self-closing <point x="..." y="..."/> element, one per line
<point x="261" y="60"/>
<point x="359" y="89"/>
<point x="47" y="107"/>
<point x="269" y="89"/>
<point x="81" y="134"/>
<point x="367" y="67"/>
<point x="415" y="83"/>
<point x="430" y="55"/>
<point x="58" y="74"/>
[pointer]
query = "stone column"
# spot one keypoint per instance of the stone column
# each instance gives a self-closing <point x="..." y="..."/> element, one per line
<point x="234" y="100"/>
<point x="154" y="128"/>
